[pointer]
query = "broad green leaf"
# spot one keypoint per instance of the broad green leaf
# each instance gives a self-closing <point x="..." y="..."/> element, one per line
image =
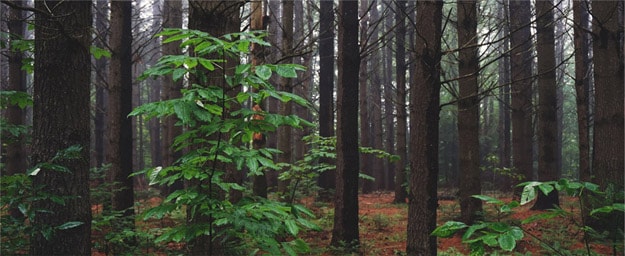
<point x="488" y="199"/>
<point x="472" y="229"/>
<point x="99" y="52"/>
<point x="178" y="73"/>
<point x="69" y="225"/>
<point x="528" y="194"/>
<point x="498" y="226"/>
<point x="263" y="72"/>
<point x="546" y="188"/>
<point x="448" y="229"/>
<point x="242" y="69"/>
<point x="507" y="241"/>
<point x="207" y="64"/>
<point x="286" y="71"/>
<point x="291" y="227"/>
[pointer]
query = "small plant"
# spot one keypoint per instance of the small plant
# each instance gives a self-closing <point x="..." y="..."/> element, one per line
<point x="504" y="235"/>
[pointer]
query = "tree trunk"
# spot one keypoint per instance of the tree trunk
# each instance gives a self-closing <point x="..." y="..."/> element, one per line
<point x="256" y="23"/>
<point x="424" y="117"/>
<point x="120" y="105"/>
<point x="60" y="120"/>
<point x="345" y="230"/>
<point x="468" y="112"/>
<point x="504" y="103"/>
<point x="547" y="104"/>
<point x="365" y="118"/>
<point x="375" y="91"/>
<point x="172" y="18"/>
<point x="582" y="85"/>
<point x="285" y="132"/>
<point x="101" y="86"/>
<point x="400" y="105"/>
<point x="608" y="148"/>
<point x="389" y="115"/>
<point x="326" y="90"/>
<point x="521" y="87"/>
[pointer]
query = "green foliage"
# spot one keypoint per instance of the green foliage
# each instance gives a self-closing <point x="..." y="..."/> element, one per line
<point x="19" y="196"/>
<point x="218" y="130"/>
<point x="504" y="235"/>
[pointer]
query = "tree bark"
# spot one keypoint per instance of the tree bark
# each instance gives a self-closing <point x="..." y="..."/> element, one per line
<point x="345" y="230"/>
<point x="521" y="87"/>
<point x="547" y="104"/>
<point x="582" y="85"/>
<point x="60" y="120"/>
<point x="326" y="90"/>
<point x="285" y="132"/>
<point x="468" y="112"/>
<point x="365" y="117"/>
<point x="400" y="105"/>
<point x="608" y="149"/>
<point x="424" y="117"/>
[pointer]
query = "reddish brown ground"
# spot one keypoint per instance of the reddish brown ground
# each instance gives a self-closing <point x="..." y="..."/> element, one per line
<point x="383" y="228"/>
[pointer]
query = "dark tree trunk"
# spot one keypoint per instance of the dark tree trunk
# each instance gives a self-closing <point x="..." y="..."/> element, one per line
<point x="101" y="86"/>
<point x="60" y="120"/>
<point x="172" y="18"/>
<point x="389" y="115"/>
<point x="547" y="104"/>
<point x="345" y="231"/>
<point x="326" y="89"/>
<point x="120" y="153"/>
<point x="285" y="132"/>
<point x="400" y="105"/>
<point x="16" y="160"/>
<point x="504" y="103"/>
<point x="521" y="87"/>
<point x="468" y="113"/>
<point x="365" y="115"/>
<point x="582" y="85"/>
<point x="424" y="118"/>
<point x="375" y="92"/>
<point x="608" y="149"/>
<point x="259" y="185"/>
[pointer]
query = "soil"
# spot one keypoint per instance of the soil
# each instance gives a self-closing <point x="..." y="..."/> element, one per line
<point x="383" y="228"/>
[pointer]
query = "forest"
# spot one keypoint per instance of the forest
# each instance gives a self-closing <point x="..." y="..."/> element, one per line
<point x="312" y="127"/>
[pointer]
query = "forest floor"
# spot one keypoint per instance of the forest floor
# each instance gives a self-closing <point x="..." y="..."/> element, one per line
<point x="383" y="229"/>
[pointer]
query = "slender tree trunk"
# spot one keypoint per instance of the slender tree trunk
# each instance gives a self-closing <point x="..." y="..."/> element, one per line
<point x="505" y="183"/>
<point x="256" y="23"/>
<point x="345" y="230"/>
<point x="521" y="87"/>
<point x="468" y="112"/>
<point x="326" y="89"/>
<point x="172" y="18"/>
<point x="400" y="105"/>
<point x="582" y="85"/>
<point x="547" y="104"/>
<point x="365" y="118"/>
<point x="101" y="79"/>
<point x="156" y="151"/>
<point x="375" y="103"/>
<point x="389" y="115"/>
<point x="424" y="118"/>
<point x="285" y="132"/>
<point x="120" y="105"/>
<point x="60" y="120"/>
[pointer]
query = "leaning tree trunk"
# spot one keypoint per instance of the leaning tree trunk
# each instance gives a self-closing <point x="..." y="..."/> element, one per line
<point x="61" y="120"/>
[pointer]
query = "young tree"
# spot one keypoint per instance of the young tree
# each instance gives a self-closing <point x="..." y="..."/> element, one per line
<point x="521" y="86"/>
<point x="61" y="120"/>
<point x="326" y="88"/>
<point x="120" y="144"/>
<point x="547" y="103"/>
<point x="468" y="112"/>
<point x="400" y="103"/>
<point x="424" y="117"/>
<point x="345" y="228"/>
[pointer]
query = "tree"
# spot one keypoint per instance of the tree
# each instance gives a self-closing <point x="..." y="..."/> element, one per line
<point x="259" y="186"/>
<point x="608" y="163"/>
<point x="582" y="85"/>
<point x="284" y="132"/>
<point x="468" y="112"/>
<point x="364" y="97"/>
<point x="400" y="104"/>
<point x="61" y="120"/>
<point x="171" y="90"/>
<point x="424" y="117"/>
<point x="521" y="86"/>
<point x="326" y="88"/>
<point x="547" y="103"/>
<point x="345" y="230"/>
<point x="101" y="79"/>
<point x="120" y="144"/>
<point x="504" y="94"/>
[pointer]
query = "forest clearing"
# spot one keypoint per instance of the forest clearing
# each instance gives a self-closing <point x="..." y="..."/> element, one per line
<point x="312" y="127"/>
